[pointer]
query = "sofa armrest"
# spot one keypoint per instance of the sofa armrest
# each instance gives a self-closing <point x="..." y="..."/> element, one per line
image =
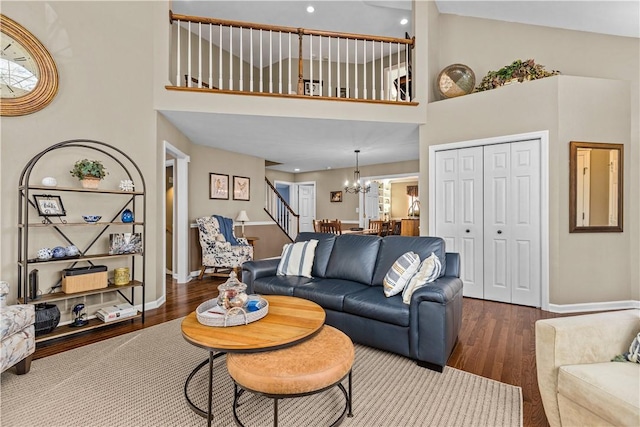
<point x="590" y="338"/>
<point x="252" y="270"/>
<point x="435" y="319"/>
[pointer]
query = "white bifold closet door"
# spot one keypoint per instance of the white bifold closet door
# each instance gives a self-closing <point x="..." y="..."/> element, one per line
<point x="488" y="210"/>
<point x="459" y="212"/>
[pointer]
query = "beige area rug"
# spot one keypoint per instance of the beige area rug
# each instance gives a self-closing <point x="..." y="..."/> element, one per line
<point x="137" y="380"/>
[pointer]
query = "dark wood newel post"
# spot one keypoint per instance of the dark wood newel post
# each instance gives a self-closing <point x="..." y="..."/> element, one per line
<point x="300" y="64"/>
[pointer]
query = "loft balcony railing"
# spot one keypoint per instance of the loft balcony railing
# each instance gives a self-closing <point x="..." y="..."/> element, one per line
<point x="217" y="55"/>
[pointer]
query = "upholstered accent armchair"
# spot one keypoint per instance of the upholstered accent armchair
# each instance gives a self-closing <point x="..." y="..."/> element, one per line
<point x="217" y="252"/>
<point x="17" y="333"/>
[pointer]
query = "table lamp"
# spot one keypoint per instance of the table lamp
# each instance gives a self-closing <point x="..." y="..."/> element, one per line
<point x="242" y="218"/>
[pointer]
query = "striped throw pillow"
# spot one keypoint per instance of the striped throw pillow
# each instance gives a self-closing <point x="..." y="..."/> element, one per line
<point x="297" y="259"/>
<point x="428" y="272"/>
<point x="400" y="273"/>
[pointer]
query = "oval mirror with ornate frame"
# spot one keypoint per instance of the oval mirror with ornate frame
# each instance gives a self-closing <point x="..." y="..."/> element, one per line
<point x="595" y="187"/>
<point x="29" y="77"/>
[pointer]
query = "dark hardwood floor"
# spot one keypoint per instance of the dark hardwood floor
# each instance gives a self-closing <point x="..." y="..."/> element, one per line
<point x="496" y="341"/>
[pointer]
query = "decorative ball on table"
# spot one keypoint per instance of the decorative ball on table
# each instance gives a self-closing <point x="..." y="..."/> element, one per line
<point x="45" y="254"/>
<point x="59" y="252"/>
<point x="455" y="80"/>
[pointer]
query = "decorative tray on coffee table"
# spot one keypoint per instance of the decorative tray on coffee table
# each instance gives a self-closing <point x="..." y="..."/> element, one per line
<point x="211" y="314"/>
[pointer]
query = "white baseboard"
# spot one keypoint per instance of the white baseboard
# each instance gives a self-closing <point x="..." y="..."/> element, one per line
<point x="594" y="306"/>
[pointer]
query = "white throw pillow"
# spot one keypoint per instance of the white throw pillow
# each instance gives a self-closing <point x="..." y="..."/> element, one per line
<point x="400" y="273"/>
<point x="428" y="272"/>
<point x="297" y="259"/>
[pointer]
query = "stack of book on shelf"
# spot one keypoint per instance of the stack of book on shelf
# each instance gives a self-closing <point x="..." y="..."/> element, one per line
<point x="116" y="312"/>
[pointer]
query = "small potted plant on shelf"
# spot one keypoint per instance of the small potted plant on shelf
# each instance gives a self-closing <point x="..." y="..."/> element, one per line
<point x="89" y="172"/>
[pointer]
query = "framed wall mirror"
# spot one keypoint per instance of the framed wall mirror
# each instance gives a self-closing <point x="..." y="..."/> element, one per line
<point x="595" y="187"/>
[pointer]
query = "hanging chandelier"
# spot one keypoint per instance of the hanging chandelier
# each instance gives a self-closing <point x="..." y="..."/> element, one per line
<point x="357" y="187"/>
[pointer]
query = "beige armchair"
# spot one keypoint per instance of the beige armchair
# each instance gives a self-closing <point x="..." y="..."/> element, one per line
<point x="579" y="384"/>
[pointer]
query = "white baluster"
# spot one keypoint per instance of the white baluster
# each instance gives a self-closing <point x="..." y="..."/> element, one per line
<point x="311" y="65"/>
<point x="407" y="93"/>
<point x="261" y="73"/>
<point x="348" y="84"/>
<point x="364" y="68"/>
<point x="355" y="67"/>
<point x="381" y="70"/>
<point x="329" y="66"/>
<point x="398" y="73"/>
<point x="210" y="56"/>
<point x="200" y="55"/>
<point x="320" y="64"/>
<point x="373" y="70"/>
<point x="230" y="57"/>
<point x="220" y="58"/>
<point x="338" y="67"/>
<point x="280" y="62"/>
<point x="270" y="61"/>
<point x="289" y="88"/>
<point x="178" y="76"/>
<point x="189" y="56"/>
<point x="241" y="66"/>
<point x="251" y="59"/>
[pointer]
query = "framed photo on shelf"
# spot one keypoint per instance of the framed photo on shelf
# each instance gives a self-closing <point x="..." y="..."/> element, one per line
<point x="241" y="190"/>
<point x="49" y="205"/>
<point x="336" y="196"/>
<point x="125" y="243"/>
<point x="313" y="88"/>
<point x="341" y="92"/>
<point x="218" y="186"/>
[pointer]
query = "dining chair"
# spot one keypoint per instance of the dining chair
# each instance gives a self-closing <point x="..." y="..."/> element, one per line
<point x="334" y="227"/>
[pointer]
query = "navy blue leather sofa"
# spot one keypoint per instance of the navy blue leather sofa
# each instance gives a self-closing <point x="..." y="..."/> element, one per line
<point x="348" y="271"/>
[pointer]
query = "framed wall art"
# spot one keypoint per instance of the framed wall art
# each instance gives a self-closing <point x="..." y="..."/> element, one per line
<point x="125" y="243"/>
<point x="49" y="205"/>
<point x="313" y="88"/>
<point x="218" y="186"/>
<point x="341" y="92"/>
<point x="336" y="196"/>
<point x="241" y="190"/>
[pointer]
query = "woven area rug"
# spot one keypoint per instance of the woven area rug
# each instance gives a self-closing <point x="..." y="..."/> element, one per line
<point x="137" y="380"/>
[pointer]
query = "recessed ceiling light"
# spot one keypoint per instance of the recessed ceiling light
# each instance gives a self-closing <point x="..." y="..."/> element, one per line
<point x="296" y="170"/>
<point x="404" y="21"/>
<point x="310" y="9"/>
<point x="328" y="167"/>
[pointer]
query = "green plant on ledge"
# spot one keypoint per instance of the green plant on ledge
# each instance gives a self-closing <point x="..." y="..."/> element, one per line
<point x="519" y="70"/>
<point x="88" y="169"/>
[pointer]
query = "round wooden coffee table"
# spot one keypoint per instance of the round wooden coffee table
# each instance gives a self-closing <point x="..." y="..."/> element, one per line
<point x="290" y="320"/>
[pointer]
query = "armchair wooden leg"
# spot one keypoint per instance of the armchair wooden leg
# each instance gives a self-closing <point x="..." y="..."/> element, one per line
<point x="201" y="272"/>
<point x="23" y="366"/>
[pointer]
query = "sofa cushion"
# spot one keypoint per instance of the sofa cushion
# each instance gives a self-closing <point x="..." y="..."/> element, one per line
<point x="400" y="273"/>
<point x="323" y="250"/>
<point x="392" y="247"/>
<point x="279" y="285"/>
<point x="371" y="303"/>
<point x="329" y="293"/>
<point x="354" y="258"/>
<point x="297" y="259"/>
<point x="428" y="272"/>
<point x="609" y="389"/>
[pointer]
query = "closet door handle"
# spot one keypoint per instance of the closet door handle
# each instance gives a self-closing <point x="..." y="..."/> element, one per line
<point x="499" y="231"/>
<point x="467" y="231"/>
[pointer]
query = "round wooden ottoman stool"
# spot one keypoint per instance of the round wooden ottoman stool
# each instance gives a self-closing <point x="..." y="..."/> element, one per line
<point x="310" y="367"/>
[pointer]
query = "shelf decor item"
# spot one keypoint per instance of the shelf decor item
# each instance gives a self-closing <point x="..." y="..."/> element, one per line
<point x="47" y="318"/>
<point x="127" y="216"/>
<point x="49" y="181"/>
<point x="89" y="172"/>
<point x="59" y="252"/>
<point x="49" y="205"/>
<point x="91" y="219"/>
<point x="518" y="71"/>
<point x="455" y="80"/>
<point x="125" y="243"/>
<point x="126" y="185"/>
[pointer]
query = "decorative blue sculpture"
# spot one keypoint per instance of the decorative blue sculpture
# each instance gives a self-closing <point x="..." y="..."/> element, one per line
<point x="59" y="252"/>
<point x="127" y="215"/>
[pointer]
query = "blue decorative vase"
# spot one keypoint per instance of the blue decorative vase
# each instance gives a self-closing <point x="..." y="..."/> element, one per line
<point x="127" y="215"/>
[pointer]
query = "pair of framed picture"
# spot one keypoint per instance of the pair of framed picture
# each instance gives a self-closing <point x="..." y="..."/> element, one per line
<point x="219" y="187"/>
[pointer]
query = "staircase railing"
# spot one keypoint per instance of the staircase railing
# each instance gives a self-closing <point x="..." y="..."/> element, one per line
<point x="235" y="56"/>
<point x="280" y="211"/>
